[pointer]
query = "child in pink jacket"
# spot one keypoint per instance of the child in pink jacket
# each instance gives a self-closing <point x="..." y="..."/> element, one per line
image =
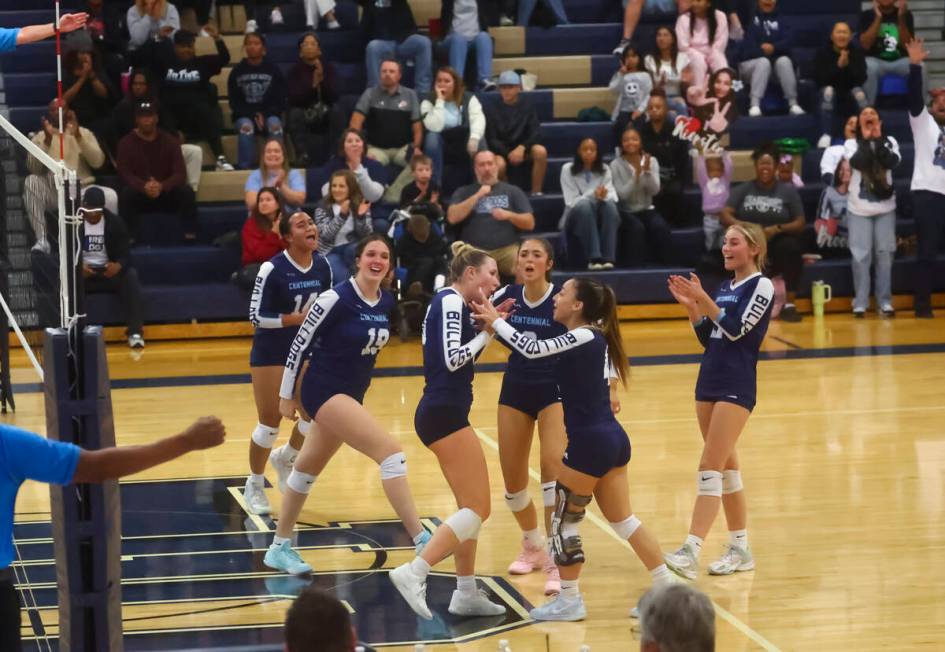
<point x="702" y="33"/>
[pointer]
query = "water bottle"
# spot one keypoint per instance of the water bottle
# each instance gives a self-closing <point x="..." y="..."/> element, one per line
<point x="820" y="295"/>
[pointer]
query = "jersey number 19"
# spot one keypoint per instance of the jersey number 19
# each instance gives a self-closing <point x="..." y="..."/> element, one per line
<point x="377" y="338"/>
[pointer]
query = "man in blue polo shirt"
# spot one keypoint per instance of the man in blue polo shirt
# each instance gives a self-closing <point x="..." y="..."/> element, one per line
<point x="10" y="38"/>
<point x="27" y="456"/>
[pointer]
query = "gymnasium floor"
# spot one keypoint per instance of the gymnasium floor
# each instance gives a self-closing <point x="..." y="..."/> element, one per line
<point x="843" y="460"/>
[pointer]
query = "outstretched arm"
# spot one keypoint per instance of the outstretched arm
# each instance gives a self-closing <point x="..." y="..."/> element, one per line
<point x="68" y="23"/>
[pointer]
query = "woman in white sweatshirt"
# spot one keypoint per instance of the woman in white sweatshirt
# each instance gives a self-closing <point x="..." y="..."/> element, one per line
<point x="454" y="122"/>
<point x="590" y="206"/>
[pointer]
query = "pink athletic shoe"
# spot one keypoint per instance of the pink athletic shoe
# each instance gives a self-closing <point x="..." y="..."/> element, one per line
<point x="528" y="560"/>
<point x="552" y="578"/>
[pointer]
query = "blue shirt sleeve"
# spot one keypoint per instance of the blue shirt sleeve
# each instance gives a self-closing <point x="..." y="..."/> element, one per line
<point x="296" y="180"/>
<point x="27" y="456"/>
<point x="253" y="182"/>
<point x="8" y="38"/>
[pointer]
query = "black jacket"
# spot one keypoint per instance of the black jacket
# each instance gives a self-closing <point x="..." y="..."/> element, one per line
<point x="182" y="82"/>
<point x="488" y="15"/>
<point x="394" y="23"/>
<point x="828" y="73"/>
<point x="671" y="152"/>
<point x="116" y="239"/>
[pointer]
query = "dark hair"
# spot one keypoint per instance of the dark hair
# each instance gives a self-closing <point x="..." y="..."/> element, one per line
<point x="285" y="222"/>
<point x="577" y="165"/>
<point x="626" y="52"/>
<point x="305" y="35"/>
<point x="71" y="60"/>
<point x="465" y="255"/>
<point x="630" y="128"/>
<point x="673" y="49"/>
<point x="710" y="89"/>
<point x="354" y="188"/>
<point x="836" y="172"/>
<point x="249" y="35"/>
<point x="316" y="616"/>
<point x="600" y="310"/>
<point x="261" y="221"/>
<point x="373" y="237"/>
<point x="548" y="249"/>
<point x="344" y="136"/>
<point x="400" y="66"/>
<point x="710" y="18"/>
<point x="765" y="149"/>
<point x="458" y="86"/>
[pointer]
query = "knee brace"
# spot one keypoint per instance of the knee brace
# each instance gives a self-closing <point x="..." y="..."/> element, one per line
<point x="465" y="524"/>
<point x="395" y="466"/>
<point x="709" y="483"/>
<point x="566" y="543"/>
<point x="731" y="481"/>
<point x="305" y="427"/>
<point x="300" y="482"/>
<point x="265" y="436"/>
<point x="548" y="493"/>
<point x="626" y="527"/>
<point x="518" y="501"/>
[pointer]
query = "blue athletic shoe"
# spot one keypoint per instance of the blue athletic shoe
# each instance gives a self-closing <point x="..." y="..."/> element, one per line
<point x="560" y="608"/>
<point x="424" y="540"/>
<point x="285" y="559"/>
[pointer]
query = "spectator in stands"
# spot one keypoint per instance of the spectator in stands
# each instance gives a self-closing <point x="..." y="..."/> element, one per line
<point x="104" y="31"/>
<point x="370" y="174"/>
<point x="884" y="31"/>
<point x="636" y="177"/>
<point x="871" y="217"/>
<point x="928" y="176"/>
<point x="714" y="176"/>
<point x="671" y="152"/>
<point x="422" y="196"/>
<point x="257" y="92"/>
<point x="151" y="20"/>
<point x="343" y="217"/>
<point x="392" y="34"/>
<point x="274" y="172"/>
<point x="314" y="120"/>
<point x="590" y="206"/>
<point x="423" y="252"/>
<point x="767" y="46"/>
<point x="669" y="69"/>
<point x="787" y="172"/>
<point x="491" y="214"/>
<point x="676" y="617"/>
<point x="467" y="23"/>
<point x="840" y="72"/>
<point x="632" y="85"/>
<point x="513" y="131"/>
<point x="555" y="7"/>
<point x="632" y="9"/>
<point x="835" y="153"/>
<point x="318" y="616"/>
<point x="88" y="92"/>
<point x="778" y="209"/>
<point x="260" y="239"/>
<point x="105" y="265"/>
<point x="702" y="33"/>
<point x="454" y="120"/>
<point x="152" y="168"/>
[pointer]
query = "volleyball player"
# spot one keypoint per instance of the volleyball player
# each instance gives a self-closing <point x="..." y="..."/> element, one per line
<point x="285" y="287"/>
<point x="731" y="328"/>
<point x="450" y="346"/>
<point x="530" y="395"/>
<point x="352" y="324"/>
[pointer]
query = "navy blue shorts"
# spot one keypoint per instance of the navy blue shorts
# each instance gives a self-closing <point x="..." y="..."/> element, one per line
<point x="315" y="393"/>
<point x="434" y="422"/>
<point x="746" y="401"/>
<point x="529" y="398"/>
<point x="597" y="450"/>
<point x="270" y="350"/>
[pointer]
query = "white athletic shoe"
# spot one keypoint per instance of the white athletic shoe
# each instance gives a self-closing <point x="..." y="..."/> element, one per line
<point x="412" y="588"/>
<point x="255" y="497"/>
<point x="285" y="559"/>
<point x="754" y="111"/>
<point x="282" y="461"/>
<point x="683" y="562"/>
<point x="474" y="604"/>
<point x="735" y="560"/>
<point x="135" y="341"/>
<point x="560" y="608"/>
<point x="796" y="109"/>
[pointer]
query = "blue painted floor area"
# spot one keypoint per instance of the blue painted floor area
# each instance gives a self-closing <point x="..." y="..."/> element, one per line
<point x="190" y="543"/>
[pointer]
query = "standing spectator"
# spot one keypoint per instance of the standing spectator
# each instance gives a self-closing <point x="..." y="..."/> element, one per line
<point x="151" y="20"/>
<point x="88" y="92"/>
<point x="672" y="153"/>
<point x="274" y="172"/>
<point x="676" y="617"/>
<point x="513" y="131"/>
<point x="257" y="92"/>
<point x="928" y="176"/>
<point x="260" y="237"/>
<point x="632" y="85"/>
<point x="422" y="196"/>
<point x="392" y="34"/>
<point x="105" y="265"/>
<point x="767" y="45"/>
<point x="702" y="33"/>
<point x="590" y="206"/>
<point x="884" y="31"/>
<point x="370" y="174"/>
<point x="491" y="213"/>
<point x="778" y="209"/>
<point x="632" y="9"/>
<point x="152" y="168"/>
<point x="189" y="99"/>
<point x="468" y="22"/>
<point x="714" y="176"/>
<point x="422" y="251"/>
<point x="636" y="176"/>
<point x="454" y="121"/>
<point x="840" y="72"/>
<point x="343" y="217"/>
<point x="871" y="217"/>
<point x="669" y="68"/>
<point x="314" y="119"/>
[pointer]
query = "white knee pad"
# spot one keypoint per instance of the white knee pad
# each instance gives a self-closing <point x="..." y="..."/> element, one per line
<point x="465" y="524"/>
<point x="394" y="466"/>
<point x="731" y="481"/>
<point x="305" y="427"/>
<point x="518" y="501"/>
<point x="709" y="483"/>
<point x="265" y="436"/>
<point x="548" y="493"/>
<point x="626" y="527"/>
<point x="300" y="482"/>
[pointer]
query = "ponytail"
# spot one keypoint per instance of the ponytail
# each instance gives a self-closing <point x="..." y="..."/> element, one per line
<point x="600" y="310"/>
<point x="464" y="256"/>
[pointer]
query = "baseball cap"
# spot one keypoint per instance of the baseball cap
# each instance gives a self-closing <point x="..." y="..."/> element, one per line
<point x="510" y="78"/>
<point x="93" y="199"/>
<point x="145" y="107"/>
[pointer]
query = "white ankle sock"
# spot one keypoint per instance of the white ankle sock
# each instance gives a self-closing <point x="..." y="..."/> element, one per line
<point x="569" y="589"/>
<point x="257" y="479"/>
<point x="738" y="538"/>
<point x="660" y="574"/>
<point x="419" y="567"/>
<point x="695" y="543"/>
<point x="533" y="538"/>
<point x="278" y="541"/>
<point x="466" y="583"/>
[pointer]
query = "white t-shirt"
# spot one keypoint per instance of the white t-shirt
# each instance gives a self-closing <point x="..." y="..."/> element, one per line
<point x="929" y="138"/>
<point x="94" y="253"/>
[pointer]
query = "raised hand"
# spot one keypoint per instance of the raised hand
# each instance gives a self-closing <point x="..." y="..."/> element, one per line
<point x="917" y="51"/>
<point x="71" y="22"/>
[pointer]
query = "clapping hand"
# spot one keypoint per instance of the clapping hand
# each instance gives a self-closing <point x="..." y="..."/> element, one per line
<point x="687" y="291"/>
<point x="363" y="207"/>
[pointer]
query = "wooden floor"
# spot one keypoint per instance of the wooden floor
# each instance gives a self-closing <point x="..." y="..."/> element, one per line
<point x="843" y="463"/>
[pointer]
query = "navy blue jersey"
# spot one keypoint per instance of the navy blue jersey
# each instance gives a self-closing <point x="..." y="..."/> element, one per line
<point x="450" y="346"/>
<point x="350" y="330"/>
<point x="536" y="320"/>
<point x="733" y="340"/>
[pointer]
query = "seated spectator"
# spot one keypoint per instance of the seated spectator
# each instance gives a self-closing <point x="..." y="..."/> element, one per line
<point x="422" y="195"/>
<point x="317" y="616"/>
<point x="454" y="120"/>
<point x="871" y="219"/>
<point x="767" y="46"/>
<point x="188" y="98"/>
<point x="422" y="251"/>
<point x="467" y="23"/>
<point x="152" y="168"/>
<point x="370" y="174"/>
<point x="714" y="176"/>
<point x="555" y="7"/>
<point x="835" y="153"/>
<point x="778" y="209"/>
<point x="636" y="179"/>
<point x="315" y="121"/>
<point x="714" y="105"/>
<point x="391" y="33"/>
<point x="676" y="617"/>
<point x="260" y="236"/>
<point x="257" y="93"/>
<point x="669" y="69"/>
<point x="104" y="33"/>
<point x="787" y="172"/>
<point x="491" y="214"/>
<point x="105" y="265"/>
<point x="840" y="72"/>
<point x="632" y="85"/>
<point x="702" y="33"/>
<point x="274" y="172"/>
<point x="151" y="20"/>
<point x="590" y="206"/>
<point x="831" y="225"/>
<point x="513" y="131"/>
<point x="343" y="217"/>
<point x="884" y="31"/>
<point x="632" y="9"/>
<point x="672" y="153"/>
<point x="88" y="92"/>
